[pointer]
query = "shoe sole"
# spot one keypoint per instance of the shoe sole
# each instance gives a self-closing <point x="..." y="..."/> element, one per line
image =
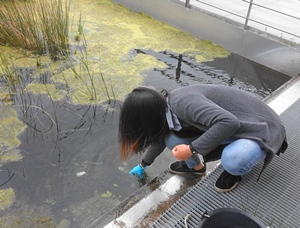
<point x="226" y="190"/>
<point x="181" y="173"/>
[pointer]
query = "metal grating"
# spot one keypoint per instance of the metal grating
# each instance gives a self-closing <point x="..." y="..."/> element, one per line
<point x="275" y="199"/>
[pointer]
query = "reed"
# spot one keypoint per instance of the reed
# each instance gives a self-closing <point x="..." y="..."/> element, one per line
<point x="41" y="26"/>
<point x="85" y="74"/>
<point x="9" y="75"/>
<point x="79" y="32"/>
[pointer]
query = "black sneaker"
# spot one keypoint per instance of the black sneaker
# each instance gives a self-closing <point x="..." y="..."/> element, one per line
<point x="180" y="167"/>
<point x="227" y="182"/>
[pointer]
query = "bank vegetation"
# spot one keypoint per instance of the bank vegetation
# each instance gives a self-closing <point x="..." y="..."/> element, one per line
<point x="40" y="26"/>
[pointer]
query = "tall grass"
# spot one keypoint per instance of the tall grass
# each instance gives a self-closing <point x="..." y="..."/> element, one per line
<point x="41" y="26"/>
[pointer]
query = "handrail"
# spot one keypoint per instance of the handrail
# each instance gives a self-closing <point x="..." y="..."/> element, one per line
<point x="248" y="14"/>
<point x="267" y="8"/>
<point x="187" y="3"/>
<point x="276" y="11"/>
<point x="247" y="17"/>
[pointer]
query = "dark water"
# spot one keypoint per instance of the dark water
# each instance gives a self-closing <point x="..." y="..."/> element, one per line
<point x="233" y="71"/>
<point x="71" y="172"/>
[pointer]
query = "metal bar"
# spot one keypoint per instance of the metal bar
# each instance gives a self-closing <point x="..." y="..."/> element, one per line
<point x="276" y="11"/>
<point x="248" y="15"/>
<point x="227" y="11"/>
<point x="251" y="3"/>
<point x="286" y="32"/>
<point x="187" y="3"/>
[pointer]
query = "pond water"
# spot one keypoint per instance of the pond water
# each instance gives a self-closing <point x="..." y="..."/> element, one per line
<point x="60" y="164"/>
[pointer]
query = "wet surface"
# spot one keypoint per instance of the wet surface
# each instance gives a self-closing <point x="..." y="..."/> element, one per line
<point x="69" y="172"/>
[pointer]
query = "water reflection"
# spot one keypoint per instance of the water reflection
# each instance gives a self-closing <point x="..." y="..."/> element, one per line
<point x="232" y="71"/>
<point x="70" y="156"/>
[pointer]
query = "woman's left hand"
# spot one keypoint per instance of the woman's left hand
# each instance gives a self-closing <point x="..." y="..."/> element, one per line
<point x="182" y="152"/>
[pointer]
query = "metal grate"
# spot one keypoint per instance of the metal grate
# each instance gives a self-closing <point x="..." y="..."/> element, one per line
<point x="275" y="199"/>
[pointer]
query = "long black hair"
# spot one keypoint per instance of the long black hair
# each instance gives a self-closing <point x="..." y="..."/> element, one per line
<point x="142" y="120"/>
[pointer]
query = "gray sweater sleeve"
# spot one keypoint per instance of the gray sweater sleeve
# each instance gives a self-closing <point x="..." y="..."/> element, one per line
<point x="204" y="114"/>
<point x="153" y="152"/>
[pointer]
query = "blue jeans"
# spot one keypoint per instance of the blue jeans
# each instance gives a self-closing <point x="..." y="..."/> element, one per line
<point x="238" y="157"/>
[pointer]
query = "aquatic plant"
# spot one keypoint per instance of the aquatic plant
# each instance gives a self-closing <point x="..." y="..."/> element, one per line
<point x="92" y="84"/>
<point x="9" y="75"/>
<point x="41" y="26"/>
<point x="85" y="75"/>
<point x="79" y="31"/>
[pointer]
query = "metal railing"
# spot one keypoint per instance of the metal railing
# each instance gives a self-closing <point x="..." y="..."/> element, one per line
<point x="247" y="18"/>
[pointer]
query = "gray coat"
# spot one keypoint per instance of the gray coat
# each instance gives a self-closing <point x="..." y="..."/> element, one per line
<point x="222" y="112"/>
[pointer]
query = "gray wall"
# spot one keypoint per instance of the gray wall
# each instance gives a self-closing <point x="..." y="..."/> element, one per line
<point x="230" y="35"/>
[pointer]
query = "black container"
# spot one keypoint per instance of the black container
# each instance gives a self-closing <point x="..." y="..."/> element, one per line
<point x="229" y="217"/>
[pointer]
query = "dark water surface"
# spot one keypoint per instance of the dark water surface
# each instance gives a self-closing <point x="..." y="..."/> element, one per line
<point x="233" y="71"/>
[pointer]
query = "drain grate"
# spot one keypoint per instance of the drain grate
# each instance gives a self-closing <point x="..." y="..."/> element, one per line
<point x="275" y="199"/>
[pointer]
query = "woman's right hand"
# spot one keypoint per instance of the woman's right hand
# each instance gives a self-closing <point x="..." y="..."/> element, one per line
<point x="138" y="170"/>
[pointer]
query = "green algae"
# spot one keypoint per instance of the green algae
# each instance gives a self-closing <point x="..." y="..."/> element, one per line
<point x="11" y="128"/>
<point x="10" y="156"/>
<point x="5" y="97"/>
<point x="64" y="224"/>
<point x="107" y="194"/>
<point x="48" y="89"/>
<point x="82" y="86"/>
<point x="7" y="197"/>
<point x="29" y="218"/>
<point x="21" y="58"/>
